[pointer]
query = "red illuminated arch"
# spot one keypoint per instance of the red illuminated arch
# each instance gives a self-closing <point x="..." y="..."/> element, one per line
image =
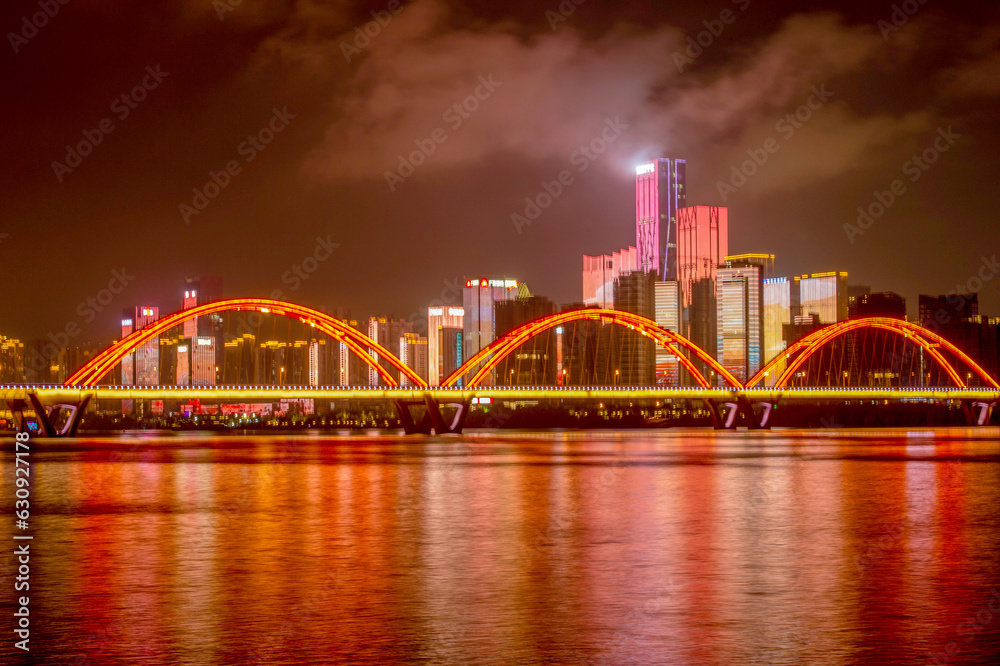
<point x="357" y="342"/>
<point x="504" y="346"/>
<point x="931" y="342"/>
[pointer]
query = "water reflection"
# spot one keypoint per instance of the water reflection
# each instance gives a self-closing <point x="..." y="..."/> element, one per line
<point x="617" y="548"/>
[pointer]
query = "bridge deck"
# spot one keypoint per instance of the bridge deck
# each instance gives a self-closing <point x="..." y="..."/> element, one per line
<point x="58" y="392"/>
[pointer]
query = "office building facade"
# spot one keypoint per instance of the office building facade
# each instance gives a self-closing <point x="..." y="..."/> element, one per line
<point x="667" y="313"/>
<point x="740" y="321"/>
<point x="439" y="318"/>
<point x="660" y="192"/>
<point x="824" y="295"/>
<point x="600" y="273"/>
<point x="780" y="307"/>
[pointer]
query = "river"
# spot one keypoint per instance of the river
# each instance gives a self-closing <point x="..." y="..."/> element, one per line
<point x="631" y="547"/>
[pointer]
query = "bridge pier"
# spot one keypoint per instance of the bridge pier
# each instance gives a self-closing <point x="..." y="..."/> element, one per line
<point x="437" y="419"/>
<point x="978" y="413"/>
<point x="432" y="420"/>
<point x="763" y="419"/>
<point x="412" y="426"/>
<point x="47" y="414"/>
<point x="724" y="415"/>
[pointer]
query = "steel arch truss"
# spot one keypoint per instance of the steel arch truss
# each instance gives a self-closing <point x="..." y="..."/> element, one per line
<point x="797" y="354"/>
<point x="357" y="342"/>
<point x="492" y="355"/>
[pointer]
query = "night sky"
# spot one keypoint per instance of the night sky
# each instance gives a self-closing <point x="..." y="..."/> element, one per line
<point x="337" y="126"/>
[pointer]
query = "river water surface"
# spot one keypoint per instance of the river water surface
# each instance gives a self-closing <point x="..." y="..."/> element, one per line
<point x="637" y="547"/>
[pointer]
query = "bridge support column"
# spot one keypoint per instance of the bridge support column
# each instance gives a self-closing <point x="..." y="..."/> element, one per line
<point x="16" y="408"/>
<point x="763" y="418"/>
<point x="724" y="415"/>
<point x="42" y="415"/>
<point x="412" y="426"/>
<point x="457" y="421"/>
<point x="978" y="413"/>
<point x="47" y="415"/>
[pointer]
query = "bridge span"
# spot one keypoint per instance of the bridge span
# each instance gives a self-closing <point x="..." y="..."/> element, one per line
<point x="726" y="404"/>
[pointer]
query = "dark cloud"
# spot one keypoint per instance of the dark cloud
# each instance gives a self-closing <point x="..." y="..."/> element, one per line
<point x="361" y="102"/>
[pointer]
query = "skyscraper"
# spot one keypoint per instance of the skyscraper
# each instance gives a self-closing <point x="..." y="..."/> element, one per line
<point x="635" y="293"/>
<point x="660" y="193"/>
<point x="600" y="273"/>
<point x="439" y="318"/>
<point x="413" y="354"/>
<point x="386" y="332"/>
<point x="196" y="361"/>
<point x="140" y="368"/>
<point x="781" y="306"/>
<point x="825" y="295"/>
<point x="739" y="328"/>
<point x="534" y="362"/>
<point x="479" y="297"/>
<point x="884" y="304"/>
<point x="667" y="304"/>
<point x="198" y="291"/>
<point x="702" y="245"/>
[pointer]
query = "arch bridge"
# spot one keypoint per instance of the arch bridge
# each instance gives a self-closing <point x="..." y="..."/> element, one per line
<point x="60" y="408"/>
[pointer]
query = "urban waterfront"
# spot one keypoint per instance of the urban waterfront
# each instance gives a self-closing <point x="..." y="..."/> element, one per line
<point x="579" y="547"/>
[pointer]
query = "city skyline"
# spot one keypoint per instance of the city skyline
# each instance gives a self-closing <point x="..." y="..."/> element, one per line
<point x="295" y="191"/>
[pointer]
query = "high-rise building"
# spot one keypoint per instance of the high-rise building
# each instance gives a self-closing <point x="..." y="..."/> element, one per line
<point x="956" y="318"/>
<point x="781" y="306"/>
<point x="196" y="361"/>
<point x="386" y="332"/>
<point x="740" y="320"/>
<point x="885" y="304"/>
<point x="702" y="245"/>
<point x="667" y="306"/>
<point x="11" y="360"/>
<point x="198" y="291"/>
<point x="763" y="261"/>
<point x="635" y="293"/>
<point x="946" y="308"/>
<point x="450" y="353"/>
<point x="141" y="367"/>
<point x="534" y="362"/>
<point x="413" y="354"/>
<point x="315" y="364"/>
<point x="439" y="318"/>
<point x="825" y="295"/>
<point x="600" y="273"/>
<point x="479" y="298"/>
<point x="660" y="192"/>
